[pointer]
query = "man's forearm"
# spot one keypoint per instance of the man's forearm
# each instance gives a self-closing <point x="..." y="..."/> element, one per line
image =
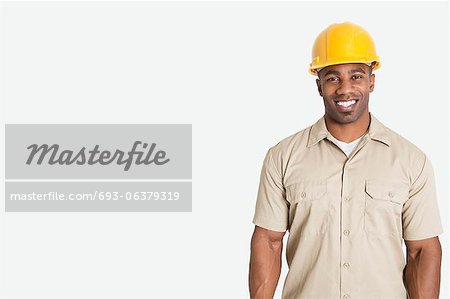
<point x="422" y="274"/>
<point x="265" y="267"/>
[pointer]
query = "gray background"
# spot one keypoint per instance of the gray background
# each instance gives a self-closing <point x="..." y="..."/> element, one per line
<point x="238" y="72"/>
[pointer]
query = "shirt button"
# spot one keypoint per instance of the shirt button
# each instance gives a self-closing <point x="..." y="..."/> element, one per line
<point x="346" y="265"/>
<point x="390" y="194"/>
<point x="347" y="198"/>
<point x="303" y="195"/>
<point x="346" y="296"/>
<point x="346" y="232"/>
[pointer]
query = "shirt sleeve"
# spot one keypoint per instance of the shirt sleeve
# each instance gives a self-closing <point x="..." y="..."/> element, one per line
<point x="272" y="208"/>
<point x="421" y="218"/>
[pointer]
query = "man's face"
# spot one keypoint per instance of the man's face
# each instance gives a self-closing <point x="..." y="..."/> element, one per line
<point x="345" y="90"/>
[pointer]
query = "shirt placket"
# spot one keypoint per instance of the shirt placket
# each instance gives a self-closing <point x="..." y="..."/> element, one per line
<point x="346" y="273"/>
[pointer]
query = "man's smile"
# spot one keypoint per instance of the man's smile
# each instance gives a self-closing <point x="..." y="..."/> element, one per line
<point x="346" y="105"/>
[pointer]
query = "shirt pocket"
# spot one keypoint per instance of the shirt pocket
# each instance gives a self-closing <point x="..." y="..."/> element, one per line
<point x="310" y="207"/>
<point x="383" y="207"/>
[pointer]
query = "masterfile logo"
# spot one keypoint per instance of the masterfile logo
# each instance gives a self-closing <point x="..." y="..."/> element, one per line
<point x="80" y="167"/>
<point x="102" y="151"/>
<point x="90" y="157"/>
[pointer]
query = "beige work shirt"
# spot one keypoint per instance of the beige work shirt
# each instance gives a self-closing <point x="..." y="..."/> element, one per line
<point x="347" y="216"/>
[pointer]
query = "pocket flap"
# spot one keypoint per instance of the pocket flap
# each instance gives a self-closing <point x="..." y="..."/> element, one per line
<point x="387" y="190"/>
<point x="309" y="190"/>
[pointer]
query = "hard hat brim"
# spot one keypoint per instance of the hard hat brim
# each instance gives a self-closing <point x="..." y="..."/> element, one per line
<point x="314" y="70"/>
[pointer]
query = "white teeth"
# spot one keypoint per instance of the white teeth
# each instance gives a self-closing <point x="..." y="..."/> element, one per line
<point x="347" y="103"/>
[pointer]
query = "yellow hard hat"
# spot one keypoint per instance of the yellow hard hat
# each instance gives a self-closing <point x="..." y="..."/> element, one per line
<point x="343" y="43"/>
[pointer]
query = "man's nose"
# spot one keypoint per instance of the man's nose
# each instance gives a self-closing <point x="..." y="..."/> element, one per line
<point x="344" y="87"/>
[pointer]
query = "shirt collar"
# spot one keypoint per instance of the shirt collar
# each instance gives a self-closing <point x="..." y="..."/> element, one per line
<point x="377" y="131"/>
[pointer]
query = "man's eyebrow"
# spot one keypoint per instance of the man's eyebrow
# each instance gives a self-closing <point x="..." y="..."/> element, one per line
<point x="334" y="72"/>
<point x="331" y="72"/>
<point x="357" y="70"/>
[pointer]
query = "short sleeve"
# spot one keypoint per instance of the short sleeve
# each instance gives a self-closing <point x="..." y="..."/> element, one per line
<point x="421" y="218"/>
<point x="272" y="208"/>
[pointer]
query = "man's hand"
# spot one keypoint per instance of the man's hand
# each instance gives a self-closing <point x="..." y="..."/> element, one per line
<point x="265" y="262"/>
<point x="422" y="273"/>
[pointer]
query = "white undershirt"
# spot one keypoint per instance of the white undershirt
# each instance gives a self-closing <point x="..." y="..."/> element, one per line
<point x="348" y="148"/>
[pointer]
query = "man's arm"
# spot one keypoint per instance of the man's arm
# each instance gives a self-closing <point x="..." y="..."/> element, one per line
<point x="265" y="262"/>
<point x="422" y="274"/>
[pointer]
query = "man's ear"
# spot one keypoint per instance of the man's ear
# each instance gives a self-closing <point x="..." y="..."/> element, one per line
<point x="372" y="82"/>
<point x="319" y="87"/>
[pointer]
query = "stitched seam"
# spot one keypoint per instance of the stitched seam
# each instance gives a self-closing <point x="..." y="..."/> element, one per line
<point x="421" y="171"/>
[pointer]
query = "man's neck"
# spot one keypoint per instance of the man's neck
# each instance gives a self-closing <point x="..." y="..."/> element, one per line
<point x="348" y="132"/>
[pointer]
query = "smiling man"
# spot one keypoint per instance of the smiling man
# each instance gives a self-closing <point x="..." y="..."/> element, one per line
<point x="350" y="191"/>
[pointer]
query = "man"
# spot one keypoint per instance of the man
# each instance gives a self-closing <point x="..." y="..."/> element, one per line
<point x="348" y="189"/>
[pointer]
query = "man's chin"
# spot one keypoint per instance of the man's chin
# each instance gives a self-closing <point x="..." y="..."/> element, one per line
<point x="344" y="118"/>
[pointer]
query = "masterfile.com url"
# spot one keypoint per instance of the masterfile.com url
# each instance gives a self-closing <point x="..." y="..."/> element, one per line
<point x="97" y="195"/>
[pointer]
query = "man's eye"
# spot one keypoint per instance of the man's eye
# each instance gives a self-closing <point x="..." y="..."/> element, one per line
<point x="332" y="79"/>
<point x="357" y="77"/>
